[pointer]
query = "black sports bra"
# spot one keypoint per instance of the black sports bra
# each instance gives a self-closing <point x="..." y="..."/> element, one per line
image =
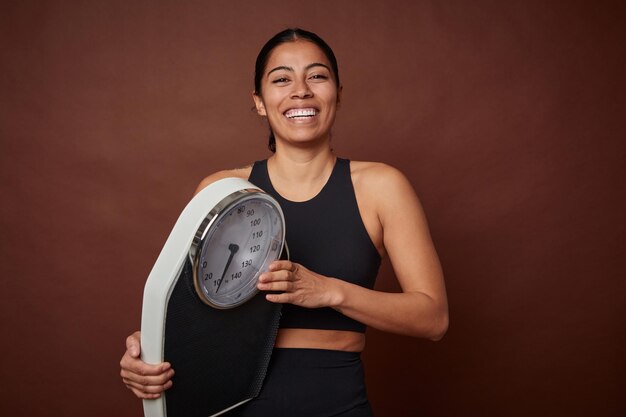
<point x="325" y="234"/>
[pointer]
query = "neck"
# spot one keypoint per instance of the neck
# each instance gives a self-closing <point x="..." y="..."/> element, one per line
<point x="299" y="176"/>
<point x="301" y="166"/>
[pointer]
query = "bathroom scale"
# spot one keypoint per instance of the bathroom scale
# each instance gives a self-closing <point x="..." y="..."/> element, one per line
<point x="201" y="309"/>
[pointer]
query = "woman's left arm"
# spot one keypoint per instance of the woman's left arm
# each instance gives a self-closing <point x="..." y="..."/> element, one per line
<point x="421" y="309"/>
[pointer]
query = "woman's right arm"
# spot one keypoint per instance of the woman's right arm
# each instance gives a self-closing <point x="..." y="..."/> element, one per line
<point x="144" y="380"/>
<point x="149" y="381"/>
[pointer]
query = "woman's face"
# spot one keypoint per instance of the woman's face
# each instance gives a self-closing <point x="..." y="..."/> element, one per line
<point x="299" y="94"/>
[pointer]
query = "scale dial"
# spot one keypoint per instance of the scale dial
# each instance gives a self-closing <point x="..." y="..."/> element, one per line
<point x="236" y="242"/>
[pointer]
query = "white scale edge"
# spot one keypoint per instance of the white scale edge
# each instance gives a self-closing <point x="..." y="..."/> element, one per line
<point x="166" y="270"/>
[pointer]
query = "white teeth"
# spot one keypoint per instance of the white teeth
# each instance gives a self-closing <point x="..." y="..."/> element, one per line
<point x="293" y="113"/>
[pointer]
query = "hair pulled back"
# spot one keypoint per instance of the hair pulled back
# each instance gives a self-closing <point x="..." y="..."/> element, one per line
<point x="289" y="35"/>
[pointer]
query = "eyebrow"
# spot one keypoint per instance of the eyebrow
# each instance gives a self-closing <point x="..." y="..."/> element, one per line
<point x="308" y="67"/>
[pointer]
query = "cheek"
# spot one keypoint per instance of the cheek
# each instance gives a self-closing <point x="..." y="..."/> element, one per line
<point x="330" y="94"/>
<point x="271" y="102"/>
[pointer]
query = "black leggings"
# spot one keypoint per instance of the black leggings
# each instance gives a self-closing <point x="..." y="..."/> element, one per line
<point x="310" y="382"/>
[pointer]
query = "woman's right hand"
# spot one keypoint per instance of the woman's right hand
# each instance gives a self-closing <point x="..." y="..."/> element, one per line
<point x="144" y="380"/>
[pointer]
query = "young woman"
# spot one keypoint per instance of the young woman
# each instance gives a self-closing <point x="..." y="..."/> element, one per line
<point x="342" y="218"/>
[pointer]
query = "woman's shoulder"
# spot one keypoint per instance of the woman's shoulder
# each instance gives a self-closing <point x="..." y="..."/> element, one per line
<point x="380" y="184"/>
<point x="375" y="174"/>
<point x="243" y="173"/>
<point x="383" y="188"/>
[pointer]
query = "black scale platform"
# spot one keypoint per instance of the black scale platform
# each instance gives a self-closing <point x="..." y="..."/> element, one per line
<point x="220" y="357"/>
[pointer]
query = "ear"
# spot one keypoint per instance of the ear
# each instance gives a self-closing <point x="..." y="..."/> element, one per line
<point x="258" y="103"/>
<point x="339" y="91"/>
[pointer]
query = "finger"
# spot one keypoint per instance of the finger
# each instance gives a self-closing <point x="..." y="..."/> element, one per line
<point x="287" y="286"/>
<point x="279" y="275"/>
<point x="283" y="298"/>
<point x="283" y="265"/>
<point x="148" y="389"/>
<point x="144" y="395"/>
<point x="146" y="380"/>
<point x="139" y="367"/>
<point x="133" y="344"/>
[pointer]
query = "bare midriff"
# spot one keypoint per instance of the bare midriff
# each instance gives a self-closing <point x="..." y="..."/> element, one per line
<point x="320" y="339"/>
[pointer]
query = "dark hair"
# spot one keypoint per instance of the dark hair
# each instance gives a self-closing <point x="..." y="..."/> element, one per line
<point x="289" y="35"/>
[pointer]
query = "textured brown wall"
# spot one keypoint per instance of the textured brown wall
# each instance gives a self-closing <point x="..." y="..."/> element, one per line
<point x="506" y="116"/>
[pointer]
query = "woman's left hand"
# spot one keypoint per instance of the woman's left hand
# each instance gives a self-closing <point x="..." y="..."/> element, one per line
<point x="298" y="285"/>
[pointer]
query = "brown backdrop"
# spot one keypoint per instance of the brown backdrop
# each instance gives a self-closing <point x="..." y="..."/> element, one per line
<point x="508" y="117"/>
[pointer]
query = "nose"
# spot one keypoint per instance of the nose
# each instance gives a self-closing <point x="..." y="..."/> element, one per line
<point x="301" y="90"/>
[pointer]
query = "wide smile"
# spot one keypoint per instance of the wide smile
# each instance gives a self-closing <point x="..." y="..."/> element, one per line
<point x="301" y="114"/>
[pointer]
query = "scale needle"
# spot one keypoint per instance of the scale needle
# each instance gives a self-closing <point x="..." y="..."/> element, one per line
<point x="233" y="249"/>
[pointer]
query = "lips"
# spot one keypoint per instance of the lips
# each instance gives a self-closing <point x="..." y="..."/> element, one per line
<point x="301" y="113"/>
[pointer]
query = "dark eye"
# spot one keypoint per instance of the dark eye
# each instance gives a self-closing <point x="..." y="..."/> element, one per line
<point x="319" y="77"/>
<point x="280" y="80"/>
